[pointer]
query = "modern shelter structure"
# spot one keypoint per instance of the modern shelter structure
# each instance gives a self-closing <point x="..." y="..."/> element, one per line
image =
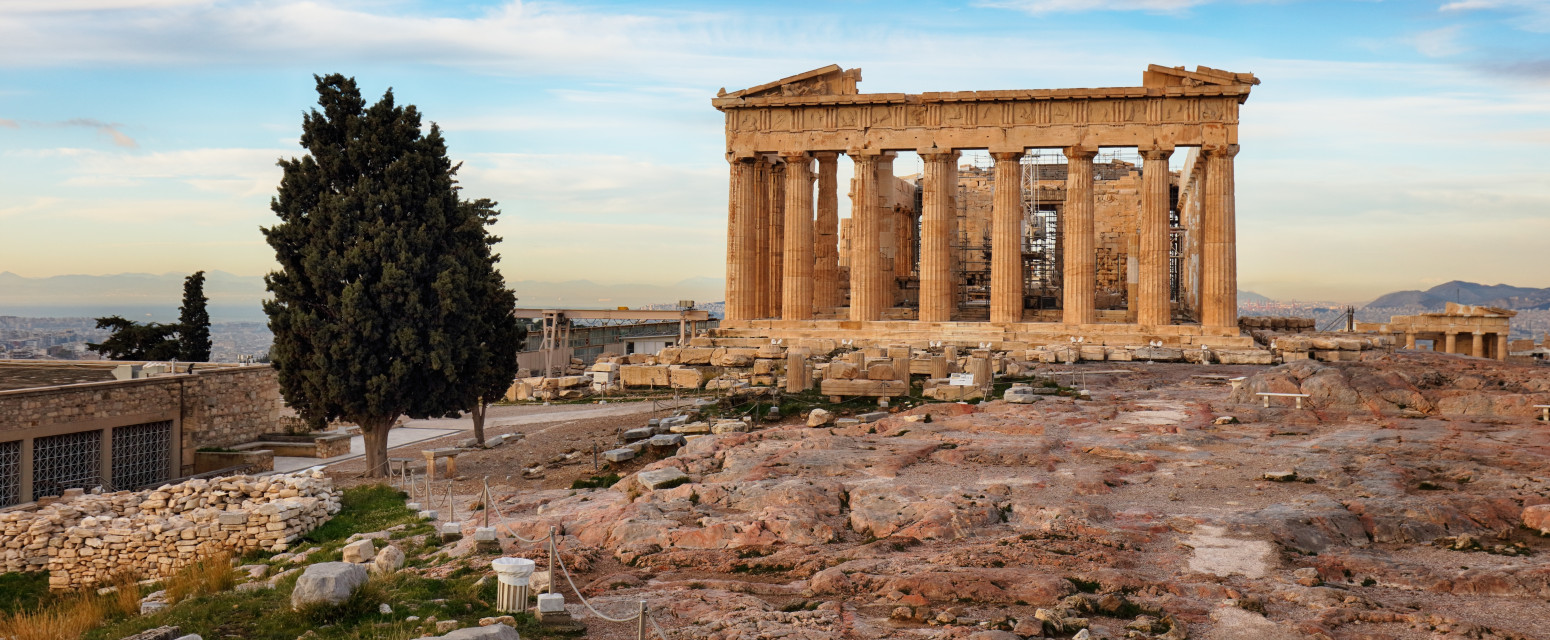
<point x="783" y="278"/>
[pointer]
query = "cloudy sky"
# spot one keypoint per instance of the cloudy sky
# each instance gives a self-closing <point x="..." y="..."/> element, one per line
<point x="1392" y="145"/>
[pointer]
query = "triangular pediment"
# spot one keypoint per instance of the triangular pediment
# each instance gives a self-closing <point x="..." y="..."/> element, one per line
<point x="823" y="81"/>
<point x="1160" y="76"/>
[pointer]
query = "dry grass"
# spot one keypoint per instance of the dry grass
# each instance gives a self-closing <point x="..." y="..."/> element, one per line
<point x="204" y="577"/>
<point x="125" y="598"/>
<point x="66" y="620"/>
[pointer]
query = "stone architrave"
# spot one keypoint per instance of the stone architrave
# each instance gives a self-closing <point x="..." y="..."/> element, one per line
<point x="939" y="189"/>
<point x="866" y="295"/>
<point x="1080" y="274"/>
<point x="826" y="234"/>
<point x="1219" y="248"/>
<point x="1151" y="302"/>
<point x="1006" y="239"/>
<point x="797" y="291"/>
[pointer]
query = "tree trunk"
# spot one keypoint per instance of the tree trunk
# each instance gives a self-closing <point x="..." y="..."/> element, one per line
<point x="374" y="430"/>
<point x="478" y="414"/>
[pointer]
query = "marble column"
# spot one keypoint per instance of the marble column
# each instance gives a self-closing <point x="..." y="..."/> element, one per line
<point x="761" y="241"/>
<point x="1006" y="239"/>
<point x="826" y="250"/>
<point x="1409" y="340"/>
<point x="1151" y="303"/>
<point x="938" y="202"/>
<point x="1501" y="346"/>
<point x="1478" y="348"/>
<point x="797" y="289"/>
<point x="866" y="286"/>
<point x="742" y="202"/>
<point x="776" y="240"/>
<point x="1219" y="242"/>
<point x="887" y="232"/>
<point x="1451" y="342"/>
<point x="1080" y="277"/>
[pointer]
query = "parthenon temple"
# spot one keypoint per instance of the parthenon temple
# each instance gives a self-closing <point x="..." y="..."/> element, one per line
<point x="1054" y="239"/>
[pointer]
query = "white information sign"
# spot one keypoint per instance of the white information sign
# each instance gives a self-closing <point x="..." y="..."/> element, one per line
<point x="961" y="379"/>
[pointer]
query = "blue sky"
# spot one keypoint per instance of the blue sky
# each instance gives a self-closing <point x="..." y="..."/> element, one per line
<point x="1391" y="145"/>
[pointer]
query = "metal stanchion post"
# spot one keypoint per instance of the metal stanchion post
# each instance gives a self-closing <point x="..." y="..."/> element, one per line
<point x="552" y="574"/>
<point x="640" y="633"/>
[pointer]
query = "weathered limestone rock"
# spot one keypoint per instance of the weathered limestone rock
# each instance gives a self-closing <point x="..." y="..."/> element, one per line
<point x="359" y="551"/>
<point x="1537" y="517"/>
<point x="634" y="375"/>
<point x="388" y="560"/>
<point x="619" y="455"/>
<point x="497" y="631"/>
<point x="327" y="582"/>
<point x="658" y="478"/>
<point x="819" y="418"/>
<point x="680" y="377"/>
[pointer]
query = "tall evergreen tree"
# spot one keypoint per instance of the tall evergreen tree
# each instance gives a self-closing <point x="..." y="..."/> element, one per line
<point x="373" y="314"/>
<point x="500" y="334"/>
<point x="134" y="341"/>
<point x="194" y="321"/>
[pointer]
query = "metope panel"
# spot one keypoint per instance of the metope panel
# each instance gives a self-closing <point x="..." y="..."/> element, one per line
<point x="10" y="473"/>
<point x="72" y="460"/>
<point x="140" y="454"/>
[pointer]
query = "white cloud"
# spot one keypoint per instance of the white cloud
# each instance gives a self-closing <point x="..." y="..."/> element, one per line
<point x="1529" y="15"/>
<point x="1439" y="43"/>
<point x="69" y="6"/>
<point x="1074" y="6"/>
<point x="237" y="173"/>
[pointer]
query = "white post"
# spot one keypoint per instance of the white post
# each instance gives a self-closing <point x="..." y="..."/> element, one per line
<point x="512" y="590"/>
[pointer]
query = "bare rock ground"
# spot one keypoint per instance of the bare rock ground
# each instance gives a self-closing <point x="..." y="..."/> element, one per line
<point x="1392" y="508"/>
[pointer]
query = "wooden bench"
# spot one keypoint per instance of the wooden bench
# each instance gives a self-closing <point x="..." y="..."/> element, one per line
<point x="1266" y="395"/>
<point x="431" y="455"/>
<point x="1544" y="411"/>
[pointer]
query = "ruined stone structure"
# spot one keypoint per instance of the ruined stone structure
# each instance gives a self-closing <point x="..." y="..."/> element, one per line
<point x="904" y="279"/>
<point x="75" y="426"/>
<point x="1473" y="330"/>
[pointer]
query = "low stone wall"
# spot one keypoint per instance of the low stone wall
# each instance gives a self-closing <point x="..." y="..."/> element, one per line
<point x="86" y="539"/>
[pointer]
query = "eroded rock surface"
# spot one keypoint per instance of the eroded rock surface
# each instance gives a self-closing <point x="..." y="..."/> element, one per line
<point x="1403" y="506"/>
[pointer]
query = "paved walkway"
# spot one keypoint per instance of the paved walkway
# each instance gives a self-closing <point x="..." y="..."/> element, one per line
<point x="417" y="431"/>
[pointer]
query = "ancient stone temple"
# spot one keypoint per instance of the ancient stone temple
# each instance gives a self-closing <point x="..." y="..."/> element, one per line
<point x="1054" y="271"/>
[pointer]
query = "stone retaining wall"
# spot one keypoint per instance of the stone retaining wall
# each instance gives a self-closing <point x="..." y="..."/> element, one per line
<point x="84" y="540"/>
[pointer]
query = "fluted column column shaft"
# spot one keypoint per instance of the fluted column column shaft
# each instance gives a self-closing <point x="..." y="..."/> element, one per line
<point x="1219" y="246"/>
<point x="742" y="274"/>
<point x="760" y="241"/>
<point x="1478" y="348"/>
<point x="938" y="201"/>
<point x="1076" y="234"/>
<point x="1006" y="235"/>
<point x="866" y="301"/>
<point x="826" y="232"/>
<point x="887" y="227"/>
<point x="797" y="288"/>
<point x="776" y="240"/>
<point x="1152" y="307"/>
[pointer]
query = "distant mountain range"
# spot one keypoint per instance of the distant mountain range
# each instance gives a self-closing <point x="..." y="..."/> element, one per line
<point x="234" y="298"/>
<point x="1496" y="295"/>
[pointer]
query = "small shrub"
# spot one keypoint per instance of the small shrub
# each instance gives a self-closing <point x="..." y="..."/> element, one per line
<point x="596" y="482"/>
<point x="673" y="483"/>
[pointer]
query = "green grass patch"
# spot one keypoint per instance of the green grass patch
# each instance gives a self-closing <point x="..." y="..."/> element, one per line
<point x="365" y="509"/>
<point x="24" y="591"/>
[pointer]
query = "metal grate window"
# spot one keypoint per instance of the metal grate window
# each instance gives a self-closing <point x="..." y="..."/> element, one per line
<point x="10" y="473"/>
<point x="140" y="454"/>
<point x="66" y="461"/>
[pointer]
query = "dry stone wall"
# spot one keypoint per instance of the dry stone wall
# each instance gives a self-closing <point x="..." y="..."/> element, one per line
<point x="85" y="540"/>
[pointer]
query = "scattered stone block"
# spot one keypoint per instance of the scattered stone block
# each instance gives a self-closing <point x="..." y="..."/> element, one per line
<point x="359" y="551"/>
<point x="640" y="433"/>
<point x="1537" y="517"/>
<point x="619" y="455"/>
<point x="730" y="426"/>
<point x="819" y="417"/>
<point x="388" y="560"/>
<point x="872" y="417"/>
<point x="668" y="440"/>
<point x="693" y="427"/>
<point x="327" y="583"/>
<point x="659" y="478"/>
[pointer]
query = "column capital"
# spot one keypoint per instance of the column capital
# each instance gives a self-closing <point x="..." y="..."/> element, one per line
<point x="864" y="152"/>
<point x="1080" y="153"/>
<point x="795" y="156"/>
<point x="826" y="156"/>
<point x="1226" y="150"/>
<point x="1156" y="153"/>
<point x="939" y="155"/>
<point x="1007" y="156"/>
<point x="731" y="159"/>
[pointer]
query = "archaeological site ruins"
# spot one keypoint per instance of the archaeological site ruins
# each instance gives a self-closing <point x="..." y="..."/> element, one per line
<point x="1028" y="252"/>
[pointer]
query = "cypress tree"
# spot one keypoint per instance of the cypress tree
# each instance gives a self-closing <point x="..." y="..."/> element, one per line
<point x="374" y="313"/>
<point x="134" y="341"/>
<point x="500" y="335"/>
<point x="194" y="321"/>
